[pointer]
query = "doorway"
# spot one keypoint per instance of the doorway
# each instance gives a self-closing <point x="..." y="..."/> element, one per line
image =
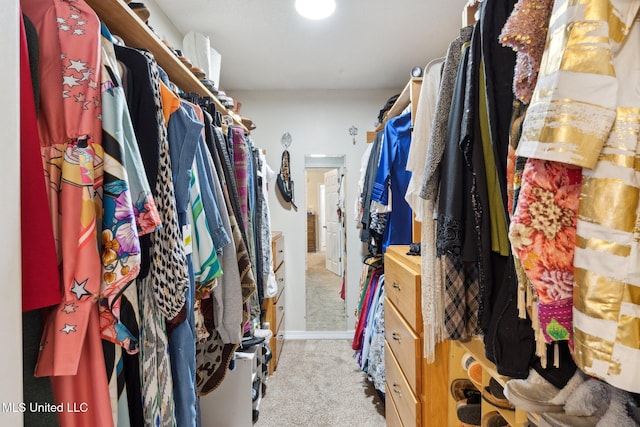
<point x="326" y="257"/>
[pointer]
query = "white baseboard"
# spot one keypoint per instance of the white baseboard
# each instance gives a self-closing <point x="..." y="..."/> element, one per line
<point x="318" y="335"/>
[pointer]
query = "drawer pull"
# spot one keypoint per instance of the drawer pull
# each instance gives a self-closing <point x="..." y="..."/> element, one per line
<point x="396" y="389"/>
<point x="395" y="285"/>
<point x="396" y="336"/>
<point x="281" y="308"/>
<point x="280" y="251"/>
<point x="281" y="279"/>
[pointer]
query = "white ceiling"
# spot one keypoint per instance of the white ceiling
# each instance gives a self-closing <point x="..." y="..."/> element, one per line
<point x="365" y="44"/>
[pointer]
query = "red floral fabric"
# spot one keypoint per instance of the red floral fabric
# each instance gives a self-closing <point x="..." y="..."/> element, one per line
<point x="543" y="236"/>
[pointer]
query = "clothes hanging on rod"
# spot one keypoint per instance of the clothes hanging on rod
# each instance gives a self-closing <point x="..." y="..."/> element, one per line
<point x="368" y="340"/>
<point x="147" y="180"/>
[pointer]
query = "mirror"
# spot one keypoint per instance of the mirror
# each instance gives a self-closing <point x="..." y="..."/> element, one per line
<point x="326" y="254"/>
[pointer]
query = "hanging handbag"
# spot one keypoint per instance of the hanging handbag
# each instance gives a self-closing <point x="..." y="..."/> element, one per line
<point x="284" y="181"/>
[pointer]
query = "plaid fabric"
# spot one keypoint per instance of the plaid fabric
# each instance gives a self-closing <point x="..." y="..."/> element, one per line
<point x="472" y="300"/>
<point x="454" y="298"/>
<point x="461" y="298"/>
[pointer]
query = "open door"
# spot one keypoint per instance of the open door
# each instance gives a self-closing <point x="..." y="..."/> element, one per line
<point x="333" y="225"/>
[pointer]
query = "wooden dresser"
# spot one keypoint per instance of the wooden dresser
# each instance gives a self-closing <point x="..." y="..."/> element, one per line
<point x="274" y="307"/>
<point x="416" y="393"/>
<point x="312" y="239"/>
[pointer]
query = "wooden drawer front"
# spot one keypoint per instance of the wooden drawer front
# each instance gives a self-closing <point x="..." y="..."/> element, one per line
<point x="273" y="343"/>
<point x="405" y="345"/>
<point x="402" y="287"/>
<point x="269" y="307"/>
<point x="277" y="247"/>
<point x="279" y="312"/>
<point x="403" y="398"/>
<point x="279" y="343"/>
<point x="280" y="279"/>
<point x="390" y="412"/>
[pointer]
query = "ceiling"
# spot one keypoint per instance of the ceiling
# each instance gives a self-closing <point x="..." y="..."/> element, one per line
<point x="365" y="44"/>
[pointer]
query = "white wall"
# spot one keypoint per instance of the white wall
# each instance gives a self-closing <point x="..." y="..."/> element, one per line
<point x="163" y="26"/>
<point x="319" y="123"/>
<point x="315" y="177"/>
<point x="10" y="291"/>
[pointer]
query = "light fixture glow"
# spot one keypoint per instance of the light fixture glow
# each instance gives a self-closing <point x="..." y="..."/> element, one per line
<point x="315" y="9"/>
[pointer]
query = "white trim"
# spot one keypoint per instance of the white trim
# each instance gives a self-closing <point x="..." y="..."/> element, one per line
<point x="10" y="261"/>
<point x="318" y="335"/>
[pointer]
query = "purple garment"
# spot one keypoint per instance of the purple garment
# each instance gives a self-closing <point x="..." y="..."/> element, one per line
<point x="241" y="171"/>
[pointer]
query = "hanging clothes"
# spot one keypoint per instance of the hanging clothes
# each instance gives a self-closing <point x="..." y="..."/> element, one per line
<point x="161" y="294"/>
<point x="70" y="141"/>
<point x="392" y="175"/>
<point x="425" y="111"/>
<point x="368" y="234"/>
<point x="454" y="238"/>
<point x="598" y="131"/>
<point x="372" y="270"/>
<point x="227" y="297"/>
<point x="40" y="286"/>
<point x="266" y="175"/>
<point x="431" y="265"/>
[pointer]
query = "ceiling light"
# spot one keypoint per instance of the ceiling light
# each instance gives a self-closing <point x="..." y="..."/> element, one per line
<point x="315" y="9"/>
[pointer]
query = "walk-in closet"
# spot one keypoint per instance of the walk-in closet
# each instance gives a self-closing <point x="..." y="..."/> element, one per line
<point x="322" y="213"/>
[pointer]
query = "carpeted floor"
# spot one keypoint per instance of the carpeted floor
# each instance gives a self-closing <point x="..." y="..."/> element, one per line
<point x="318" y="384"/>
<point x="325" y="308"/>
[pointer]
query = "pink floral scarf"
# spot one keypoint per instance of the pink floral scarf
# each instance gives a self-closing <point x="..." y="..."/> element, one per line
<point x="543" y="236"/>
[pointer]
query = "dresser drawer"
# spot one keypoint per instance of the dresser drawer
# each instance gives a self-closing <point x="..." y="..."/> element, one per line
<point x="390" y="412"/>
<point x="404" y="400"/>
<point x="280" y="278"/>
<point x="279" y="311"/>
<point x="279" y="339"/>
<point x="405" y="345"/>
<point x="402" y="286"/>
<point x="277" y="248"/>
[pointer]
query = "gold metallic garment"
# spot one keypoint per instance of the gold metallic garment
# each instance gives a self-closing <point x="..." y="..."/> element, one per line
<point x="585" y="111"/>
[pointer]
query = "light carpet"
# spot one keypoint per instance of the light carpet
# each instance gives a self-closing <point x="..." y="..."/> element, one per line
<point x="325" y="310"/>
<point x="318" y="384"/>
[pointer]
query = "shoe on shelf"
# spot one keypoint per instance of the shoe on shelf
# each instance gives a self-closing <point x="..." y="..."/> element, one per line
<point x="560" y="419"/>
<point x="593" y="404"/>
<point x="494" y="394"/>
<point x="536" y="394"/>
<point x="618" y="414"/>
<point x="532" y="420"/>
<point x="469" y="410"/>
<point x="474" y="372"/>
<point x="466" y="360"/>
<point x="463" y="388"/>
<point x="592" y="397"/>
<point x="250" y="341"/>
<point x="494" y="419"/>
<point x="264" y="333"/>
<point x="634" y="412"/>
<point x="255" y="390"/>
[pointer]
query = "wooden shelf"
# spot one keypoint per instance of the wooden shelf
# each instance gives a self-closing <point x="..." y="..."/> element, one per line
<point x="123" y="22"/>
<point x="475" y="347"/>
<point x="409" y="95"/>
